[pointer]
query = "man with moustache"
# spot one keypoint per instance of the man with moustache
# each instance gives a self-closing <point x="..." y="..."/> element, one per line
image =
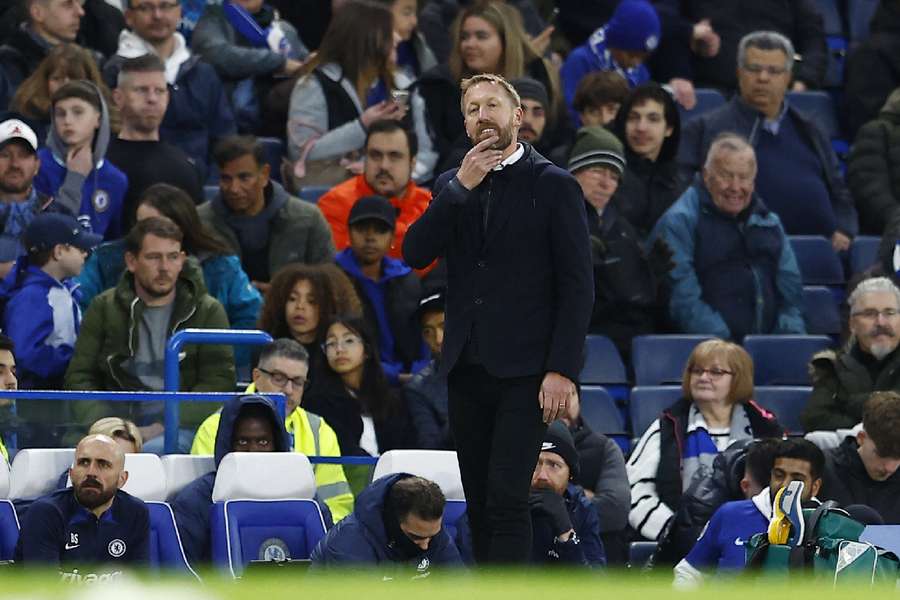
<point x="390" y="156"/>
<point x="92" y="524"/>
<point x="863" y="468"/>
<point x="19" y="200"/>
<point x="735" y="272"/>
<point x="843" y="380"/>
<point x="122" y="342"/>
<point x="512" y="229"/>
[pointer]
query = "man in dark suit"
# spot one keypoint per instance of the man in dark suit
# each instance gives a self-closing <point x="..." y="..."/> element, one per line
<point x="512" y="229"/>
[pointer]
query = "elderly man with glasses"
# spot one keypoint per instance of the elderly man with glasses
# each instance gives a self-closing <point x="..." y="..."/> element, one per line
<point x="843" y="380"/>
<point x="283" y="368"/>
<point x="798" y="172"/>
<point x="735" y="272"/>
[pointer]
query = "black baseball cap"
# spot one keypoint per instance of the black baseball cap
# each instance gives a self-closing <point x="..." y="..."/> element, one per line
<point x="378" y="208"/>
<point x="434" y="299"/>
<point x="50" y="229"/>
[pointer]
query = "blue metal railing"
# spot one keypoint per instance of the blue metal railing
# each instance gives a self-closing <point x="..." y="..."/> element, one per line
<point x="232" y="337"/>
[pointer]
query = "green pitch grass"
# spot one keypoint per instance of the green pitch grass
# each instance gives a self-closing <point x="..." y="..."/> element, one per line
<point x="293" y="585"/>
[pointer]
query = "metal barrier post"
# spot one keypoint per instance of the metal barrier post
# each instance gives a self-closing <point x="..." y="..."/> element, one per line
<point x="232" y="337"/>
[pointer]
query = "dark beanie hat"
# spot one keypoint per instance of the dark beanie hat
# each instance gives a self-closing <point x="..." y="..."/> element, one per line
<point x="634" y="26"/>
<point x="533" y="89"/>
<point x="596" y="145"/>
<point x="559" y="441"/>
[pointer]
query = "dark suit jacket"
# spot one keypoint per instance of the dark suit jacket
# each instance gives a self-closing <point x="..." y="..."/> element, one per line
<point x="526" y="287"/>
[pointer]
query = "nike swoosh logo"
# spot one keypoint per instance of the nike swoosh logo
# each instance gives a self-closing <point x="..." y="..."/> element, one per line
<point x="68" y="547"/>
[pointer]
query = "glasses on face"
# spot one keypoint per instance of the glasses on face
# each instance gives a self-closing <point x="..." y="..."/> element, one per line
<point x="770" y="70"/>
<point x="714" y="372"/>
<point x="281" y="380"/>
<point x="163" y="7"/>
<point x="347" y="343"/>
<point x="871" y="314"/>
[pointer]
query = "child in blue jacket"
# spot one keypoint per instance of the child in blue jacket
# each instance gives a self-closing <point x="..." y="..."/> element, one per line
<point x="42" y="315"/>
<point x="73" y="168"/>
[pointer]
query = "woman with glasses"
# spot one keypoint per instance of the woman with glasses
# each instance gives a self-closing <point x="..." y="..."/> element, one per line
<point x="352" y="393"/>
<point x="301" y="303"/>
<point x="716" y="409"/>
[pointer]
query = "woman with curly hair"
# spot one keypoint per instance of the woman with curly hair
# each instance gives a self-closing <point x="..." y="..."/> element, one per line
<point x="302" y="301"/>
<point x="64" y="63"/>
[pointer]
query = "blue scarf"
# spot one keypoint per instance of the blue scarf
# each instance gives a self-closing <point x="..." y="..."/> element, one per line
<point x="252" y="31"/>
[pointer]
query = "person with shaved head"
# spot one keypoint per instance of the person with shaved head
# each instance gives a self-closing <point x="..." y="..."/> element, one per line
<point x="92" y="524"/>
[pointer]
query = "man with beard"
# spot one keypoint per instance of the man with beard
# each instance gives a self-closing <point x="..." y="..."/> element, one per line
<point x="142" y="97"/>
<point x="566" y="525"/>
<point x="390" y="156"/>
<point x="388" y="289"/>
<point x="93" y="523"/>
<point x="843" y="380"/>
<point x="722" y="543"/>
<point x="551" y="134"/>
<point x="863" y="469"/>
<point x="397" y="522"/>
<point x="19" y="200"/>
<point x="513" y="231"/>
<point x="122" y="342"/>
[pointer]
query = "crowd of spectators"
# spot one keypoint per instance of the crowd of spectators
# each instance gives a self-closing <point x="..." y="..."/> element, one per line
<point x="139" y="196"/>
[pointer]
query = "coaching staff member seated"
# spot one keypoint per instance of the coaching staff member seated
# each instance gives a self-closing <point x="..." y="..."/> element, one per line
<point x="512" y="229"/>
<point x="91" y="523"/>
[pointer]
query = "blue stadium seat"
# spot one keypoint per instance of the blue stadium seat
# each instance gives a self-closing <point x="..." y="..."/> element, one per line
<point x="707" y="99"/>
<point x="859" y="17"/>
<point x="639" y="553"/>
<point x="599" y="411"/>
<point x="819" y="107"/>
<point x="820" y="311"/>
<point x="830" y="10"/>
<point x="783" y="359"/>
<point x="787" y="402"/>
<point x="312" y="193"/>
<point x="263" y="510"/>
<point x="819" y="265"/>
<point x="453" y="510"/>
<point x="274" y="149"/>
<point x="165" y="542"/>
<point x="210" y="191"/>
<point x="646" y="402"/>
<point x="837" y="61"/>
<point x="602" y="363"/>
<point x="9" y="529"/>
<point x="660" y="359"/>
<point x="864" y="252"/>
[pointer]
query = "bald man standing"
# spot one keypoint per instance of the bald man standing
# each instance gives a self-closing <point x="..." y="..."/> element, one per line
<point x="92" y="524"/>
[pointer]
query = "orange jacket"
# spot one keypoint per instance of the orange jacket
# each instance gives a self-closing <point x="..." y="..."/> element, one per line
<point x="336" y="203"/>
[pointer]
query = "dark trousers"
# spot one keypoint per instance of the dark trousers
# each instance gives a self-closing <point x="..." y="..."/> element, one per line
<point x="498" y="429"/>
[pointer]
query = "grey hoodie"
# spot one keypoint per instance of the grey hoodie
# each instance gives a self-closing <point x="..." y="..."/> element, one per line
<point x="70" y="192"/>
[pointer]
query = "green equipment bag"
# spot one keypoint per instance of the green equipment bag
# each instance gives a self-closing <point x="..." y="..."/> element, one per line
<point x="830" y="551"/>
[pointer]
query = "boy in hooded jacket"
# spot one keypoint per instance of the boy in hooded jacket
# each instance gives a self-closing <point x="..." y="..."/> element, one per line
<point x="42" y="315"/>
<point x="73" y="166"/>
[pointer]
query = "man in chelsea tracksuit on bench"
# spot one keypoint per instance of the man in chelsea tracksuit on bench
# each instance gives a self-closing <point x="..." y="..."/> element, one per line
<point x="92" y="530"/>
<point x="722" y="545"/>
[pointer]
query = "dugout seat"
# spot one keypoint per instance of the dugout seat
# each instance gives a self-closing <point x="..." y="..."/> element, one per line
<point x="35" y="471"/>
<point x="263" y="510"/>
<point x="182" y="469"/>
<point x="9" y="522"/>
<point x="439" y="466"/>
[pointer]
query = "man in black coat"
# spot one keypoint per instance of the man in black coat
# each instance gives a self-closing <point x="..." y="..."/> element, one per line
<point x="863" y="470"/>
<point x="512" y="229"/>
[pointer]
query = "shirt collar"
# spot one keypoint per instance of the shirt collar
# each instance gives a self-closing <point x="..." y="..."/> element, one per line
<point x="773" y="125"/>
<point x="83" y="514"/>
<point x="511" y="159"/>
